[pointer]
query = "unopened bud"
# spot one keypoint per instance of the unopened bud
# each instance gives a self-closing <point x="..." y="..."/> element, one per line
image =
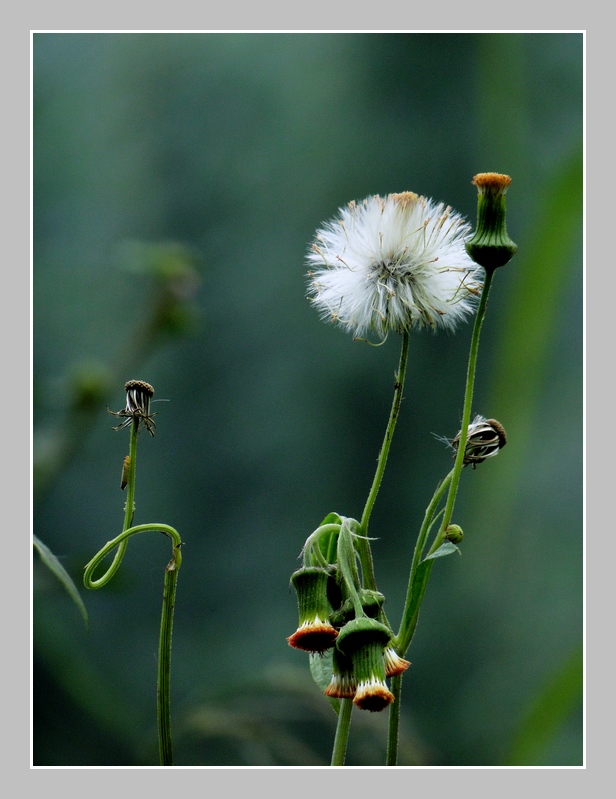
<point x="454" y="533"/>
<point x="490" y="245"/>
<point x="315" y="632"/>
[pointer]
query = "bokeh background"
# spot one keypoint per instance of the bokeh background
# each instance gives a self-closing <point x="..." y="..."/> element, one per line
<point x="178" y="180"/>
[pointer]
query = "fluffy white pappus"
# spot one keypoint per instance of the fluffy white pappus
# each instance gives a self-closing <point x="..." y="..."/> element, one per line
<point x="393" y="263"/>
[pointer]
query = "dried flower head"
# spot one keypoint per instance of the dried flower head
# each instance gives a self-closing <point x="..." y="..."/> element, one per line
<point x="138" y="396"/>
<point x="393" y="263"/>
<point x="486" y="437"/>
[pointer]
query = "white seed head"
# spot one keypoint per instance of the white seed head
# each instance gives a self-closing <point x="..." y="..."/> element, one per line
<point x="393" y="263"/>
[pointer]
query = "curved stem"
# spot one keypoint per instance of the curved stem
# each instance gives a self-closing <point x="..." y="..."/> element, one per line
<point x="118" y="541"/>
<point x="129" y="512"/>
<point x="363" y="545"/>
<point x="166" y="622"/>
<point x="312" y="548"/>
<point x="342" y="732"/>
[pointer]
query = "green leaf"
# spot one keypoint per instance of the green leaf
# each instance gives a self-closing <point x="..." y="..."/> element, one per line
<point x="321" y="670"/>
<point x="446" y="548"/>
<point x="331" y="518"/>
<point x="327" y="544"/>
<point x="54" y="565"/>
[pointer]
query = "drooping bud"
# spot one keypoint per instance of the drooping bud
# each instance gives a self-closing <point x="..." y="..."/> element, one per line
<point x="490" y="245"/>
<point x="364" y="641"/>
<point x="343" y="684"/>
<point x="394" y="664"/>
<point x="371" y="602"/>
<point x="315" y="632"/>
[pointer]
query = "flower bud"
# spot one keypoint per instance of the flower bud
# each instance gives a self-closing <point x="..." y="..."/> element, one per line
<point x="394" y="664"/>
<point x="315" y="632"/>
<point x="343" y="684"/>
<point x="490" y="245"/>
<point x="454" y="533"/>
<point x="364" y="641"/>
<point x="371" y="602"/>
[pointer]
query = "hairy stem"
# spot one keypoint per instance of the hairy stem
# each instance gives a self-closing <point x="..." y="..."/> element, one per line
<point x="363" y="544"/>
<point x="422" y="568"/>
<point x="164" y="658"/>
<point x="342" y="732"/>
<point x="466" y="413"/>
<point x="394" y="722"/>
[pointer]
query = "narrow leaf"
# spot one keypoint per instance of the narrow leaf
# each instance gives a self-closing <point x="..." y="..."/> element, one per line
<point x="54" y="565"/>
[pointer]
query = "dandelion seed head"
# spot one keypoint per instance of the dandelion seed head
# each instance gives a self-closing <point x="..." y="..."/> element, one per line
<point x="393" y="263"/>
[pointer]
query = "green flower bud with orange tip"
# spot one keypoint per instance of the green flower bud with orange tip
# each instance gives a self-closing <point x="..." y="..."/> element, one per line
<point x="490" y="246"/>
<point x="315" y="633"/>
<point x="343" y="684"/>
<point x="364" y="641"/>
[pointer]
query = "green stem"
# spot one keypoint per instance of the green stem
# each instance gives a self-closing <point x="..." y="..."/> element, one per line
<point x="394" y="722"/>
<point x="129" y="512"/>
<point x="421" y="568"/>
<point x="466" y="413"/>
<point x="413" y="596"/>
<point x="119" y="544"/>
<point x="118" y="541"/>
<point x="363" y="545"/>
<point x="166" y="622"/>
<point x="164" y="658"/>
<point x="342" y="732"/>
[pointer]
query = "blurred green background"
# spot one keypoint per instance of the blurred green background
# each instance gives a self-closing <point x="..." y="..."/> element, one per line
<point x="178" y="180"/>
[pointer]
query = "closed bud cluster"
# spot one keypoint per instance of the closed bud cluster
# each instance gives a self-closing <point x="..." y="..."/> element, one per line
<point x="362" y="655"/>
